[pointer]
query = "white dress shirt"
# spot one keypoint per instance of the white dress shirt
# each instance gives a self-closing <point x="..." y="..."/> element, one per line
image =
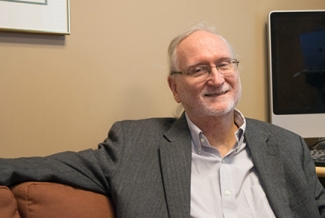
<point x="226" y="186"/>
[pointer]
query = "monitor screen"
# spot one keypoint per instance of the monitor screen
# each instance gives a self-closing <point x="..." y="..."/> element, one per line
<point x="297" y="71"/>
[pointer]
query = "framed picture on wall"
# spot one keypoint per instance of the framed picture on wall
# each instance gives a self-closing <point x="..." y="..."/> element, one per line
<point x="35" y="16"/>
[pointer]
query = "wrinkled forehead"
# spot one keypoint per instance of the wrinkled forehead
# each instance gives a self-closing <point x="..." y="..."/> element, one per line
<point x="202" y="45"/>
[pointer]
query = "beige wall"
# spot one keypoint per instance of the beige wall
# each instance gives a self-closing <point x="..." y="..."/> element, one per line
<point x="63" y="93"/>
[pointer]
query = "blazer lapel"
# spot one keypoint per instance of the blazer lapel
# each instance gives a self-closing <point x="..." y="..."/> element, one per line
<point x="176" y="155"/>
<point x="266" y="158"/>
<point x="175" y="159"/>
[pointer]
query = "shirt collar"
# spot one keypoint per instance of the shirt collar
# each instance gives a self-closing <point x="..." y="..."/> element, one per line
<point x="197" y="134"/>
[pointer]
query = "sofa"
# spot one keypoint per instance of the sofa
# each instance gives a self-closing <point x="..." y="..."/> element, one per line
<point x="52" y="200"/>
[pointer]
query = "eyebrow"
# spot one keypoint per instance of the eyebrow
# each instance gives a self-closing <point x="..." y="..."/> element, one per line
<point x="202" y="62"/>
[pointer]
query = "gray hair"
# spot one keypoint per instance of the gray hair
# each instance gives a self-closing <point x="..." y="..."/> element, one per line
<point x="172" y="57"/>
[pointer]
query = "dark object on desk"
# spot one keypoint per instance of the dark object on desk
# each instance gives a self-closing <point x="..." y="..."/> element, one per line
<point x="318" y="157"/>
<point x="317" y="152"/>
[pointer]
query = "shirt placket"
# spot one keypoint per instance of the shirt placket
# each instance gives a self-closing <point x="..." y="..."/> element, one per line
<point x="227" y="189"/>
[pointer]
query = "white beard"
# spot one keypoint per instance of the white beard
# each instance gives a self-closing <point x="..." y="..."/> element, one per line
<point x="202" y="108"/>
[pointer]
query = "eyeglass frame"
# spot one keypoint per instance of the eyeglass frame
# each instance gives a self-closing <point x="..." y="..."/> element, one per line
<point x="233" y="62"/>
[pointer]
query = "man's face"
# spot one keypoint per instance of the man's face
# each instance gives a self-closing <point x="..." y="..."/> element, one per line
<point x="218" y="94"/>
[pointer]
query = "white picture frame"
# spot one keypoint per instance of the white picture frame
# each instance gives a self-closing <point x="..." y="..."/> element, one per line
<point x="35" y="16"/>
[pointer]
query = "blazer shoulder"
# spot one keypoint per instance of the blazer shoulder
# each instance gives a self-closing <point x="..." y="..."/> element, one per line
<point x="258" y="125"/>
<point x="148" y="124"/>
<point x="261" y="129"/>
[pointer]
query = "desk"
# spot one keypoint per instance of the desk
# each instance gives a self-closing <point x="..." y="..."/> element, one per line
<point x="320" y="171"/>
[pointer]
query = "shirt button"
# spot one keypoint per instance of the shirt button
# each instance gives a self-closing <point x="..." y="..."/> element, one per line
<point x="202" y="140"/>
<point x="228" y="192"/>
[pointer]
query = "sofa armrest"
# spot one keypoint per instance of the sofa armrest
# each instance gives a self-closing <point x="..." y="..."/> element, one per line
<point x="8" y="204"/>
<point x="44" y="199"/>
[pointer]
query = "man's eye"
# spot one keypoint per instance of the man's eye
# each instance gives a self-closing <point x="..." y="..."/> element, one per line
<point x="223" y="65"/>
<point x="197" y="69"/>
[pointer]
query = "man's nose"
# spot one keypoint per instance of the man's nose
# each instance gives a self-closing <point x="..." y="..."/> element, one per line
<point x="215" y="77"/>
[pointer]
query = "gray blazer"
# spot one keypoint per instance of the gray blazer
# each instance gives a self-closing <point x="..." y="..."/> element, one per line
<point x="145" y="166"/>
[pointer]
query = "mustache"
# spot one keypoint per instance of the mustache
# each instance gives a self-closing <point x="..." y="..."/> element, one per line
<point x="215" y="91"/>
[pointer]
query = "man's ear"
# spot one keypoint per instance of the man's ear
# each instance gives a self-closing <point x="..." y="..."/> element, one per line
<point x="173" y="87"/>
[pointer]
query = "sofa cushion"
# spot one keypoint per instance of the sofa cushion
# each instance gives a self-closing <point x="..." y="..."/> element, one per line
<point x="43" y="199"/>
<point x="8" y="204"/>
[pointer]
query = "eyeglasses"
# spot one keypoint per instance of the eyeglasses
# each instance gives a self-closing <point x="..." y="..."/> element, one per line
<point x="225" y="67"/>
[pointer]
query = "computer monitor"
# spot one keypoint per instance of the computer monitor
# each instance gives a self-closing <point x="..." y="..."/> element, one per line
<point x="297" y="71"/>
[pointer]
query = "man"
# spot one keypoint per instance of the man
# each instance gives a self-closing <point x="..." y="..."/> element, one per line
<point x="211" y="162"/>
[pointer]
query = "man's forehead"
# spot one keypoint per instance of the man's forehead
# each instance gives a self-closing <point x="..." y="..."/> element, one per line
<point x="202" y="41"/>
<point x="200" y="37"/>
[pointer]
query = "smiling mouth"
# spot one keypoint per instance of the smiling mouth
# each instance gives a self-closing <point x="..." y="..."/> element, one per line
<point x="215" y="94"/>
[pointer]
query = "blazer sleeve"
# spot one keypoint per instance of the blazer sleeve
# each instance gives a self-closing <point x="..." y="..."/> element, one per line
<point x="303" y="205"/>
<point x="306" y="193"/>
<point x="88" y="169"/>
<point x="317" y="187"/>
